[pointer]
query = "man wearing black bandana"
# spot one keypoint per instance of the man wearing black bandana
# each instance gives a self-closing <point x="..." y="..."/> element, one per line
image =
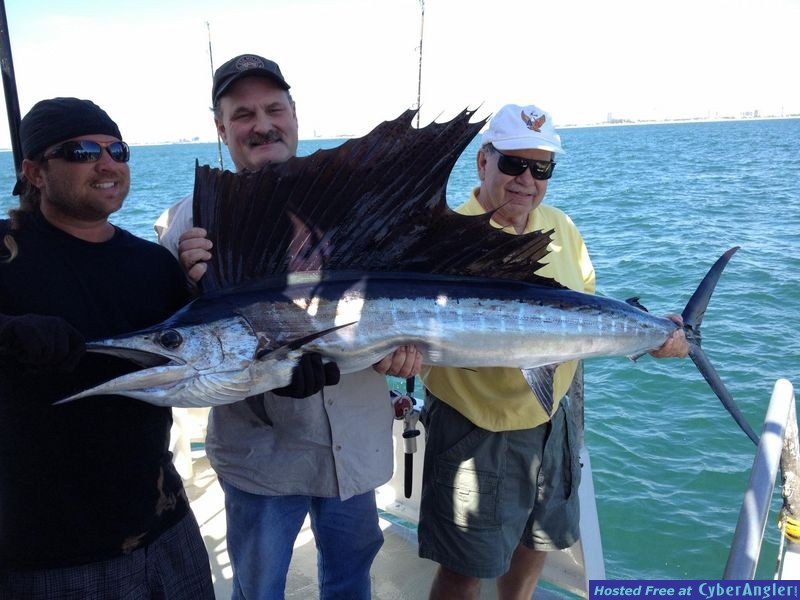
<point x="90" y="503"/>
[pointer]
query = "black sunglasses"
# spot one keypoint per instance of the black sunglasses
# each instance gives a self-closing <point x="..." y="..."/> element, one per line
<point x="89" y="151"/>
<point x="515" y="166"/>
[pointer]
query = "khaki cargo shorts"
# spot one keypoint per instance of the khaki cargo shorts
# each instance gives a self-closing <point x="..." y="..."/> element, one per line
<point x="484" y="492"/>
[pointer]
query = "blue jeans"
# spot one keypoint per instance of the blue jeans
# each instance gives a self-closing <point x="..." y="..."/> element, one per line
<point x="262" y="531"/>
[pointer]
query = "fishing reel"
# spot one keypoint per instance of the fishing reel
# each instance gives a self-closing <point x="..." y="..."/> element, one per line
<point x="405" y="410"/>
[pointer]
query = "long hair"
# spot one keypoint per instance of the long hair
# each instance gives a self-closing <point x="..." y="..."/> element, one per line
<point x="29" y="200"/>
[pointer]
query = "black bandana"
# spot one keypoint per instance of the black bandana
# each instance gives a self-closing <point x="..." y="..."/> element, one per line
<point x="58" y="119"/>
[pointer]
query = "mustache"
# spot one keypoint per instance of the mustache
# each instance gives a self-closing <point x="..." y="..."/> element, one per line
<point x="265" y="138"/>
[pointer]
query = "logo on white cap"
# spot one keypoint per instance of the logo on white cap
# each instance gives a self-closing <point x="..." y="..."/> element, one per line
<point x="532" y="122"/>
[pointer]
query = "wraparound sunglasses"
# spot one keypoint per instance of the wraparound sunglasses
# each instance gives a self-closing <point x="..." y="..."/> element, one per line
<point x="89" y="151"/>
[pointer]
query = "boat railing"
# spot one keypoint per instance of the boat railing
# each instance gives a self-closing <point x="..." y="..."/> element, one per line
<point x="777" y="448"/>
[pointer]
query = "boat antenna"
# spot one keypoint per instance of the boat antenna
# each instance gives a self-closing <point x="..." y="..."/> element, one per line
<point x="419" y="75"/>
<point x="211" y="61"/>
<point x="10" y="89"/>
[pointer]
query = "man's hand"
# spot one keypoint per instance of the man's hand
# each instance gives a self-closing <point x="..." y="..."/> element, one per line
<point x="404" y="362"/>
<point x="193" y="252"/>
<point x="676" y="344"/>
<point x="309" y="376"/>
<point x="41" y="341"/>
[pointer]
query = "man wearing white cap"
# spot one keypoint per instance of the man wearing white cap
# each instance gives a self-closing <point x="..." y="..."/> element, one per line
<point x="501" y="475"/>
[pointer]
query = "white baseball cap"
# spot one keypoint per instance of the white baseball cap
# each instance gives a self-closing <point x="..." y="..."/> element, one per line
<point x="517" y="127"/>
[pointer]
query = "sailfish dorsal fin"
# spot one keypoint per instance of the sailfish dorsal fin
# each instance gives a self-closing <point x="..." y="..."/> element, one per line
<point x="374" y="204"/>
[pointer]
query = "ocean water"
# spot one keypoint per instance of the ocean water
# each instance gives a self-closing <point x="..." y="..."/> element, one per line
<point x="657" y="205"/>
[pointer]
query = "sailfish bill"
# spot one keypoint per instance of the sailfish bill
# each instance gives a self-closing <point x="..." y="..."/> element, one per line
<point x="353" y="251"/>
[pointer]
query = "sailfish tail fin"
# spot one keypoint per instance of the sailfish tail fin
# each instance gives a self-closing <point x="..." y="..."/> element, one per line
<point x="692" y="319"/>
<point x="710" y="375"/>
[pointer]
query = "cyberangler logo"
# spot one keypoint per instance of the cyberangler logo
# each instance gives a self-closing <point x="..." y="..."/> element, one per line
<point x="533" y="123"/>
<point x="249" y="62"/>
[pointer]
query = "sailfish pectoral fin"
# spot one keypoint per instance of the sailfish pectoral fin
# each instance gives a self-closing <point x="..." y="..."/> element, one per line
<point x="298" y="343"/>
<point x="540" y="380"/>
<point x="274" y="366"/>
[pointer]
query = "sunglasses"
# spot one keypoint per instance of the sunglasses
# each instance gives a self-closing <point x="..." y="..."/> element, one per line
<point x="88" y="151"/>
<point x="515" y="166"/>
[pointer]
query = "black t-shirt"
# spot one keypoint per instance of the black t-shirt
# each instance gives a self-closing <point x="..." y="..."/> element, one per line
<point x="93" y="478"/>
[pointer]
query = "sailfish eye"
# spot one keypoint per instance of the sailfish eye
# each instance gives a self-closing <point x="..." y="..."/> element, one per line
<point x="170" y="339"/>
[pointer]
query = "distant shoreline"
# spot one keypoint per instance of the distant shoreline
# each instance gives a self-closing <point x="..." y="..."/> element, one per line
<point x="613" y="123"/>
<point x="622" y="122"/>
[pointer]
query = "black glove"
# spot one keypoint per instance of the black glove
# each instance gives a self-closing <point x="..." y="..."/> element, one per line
<point x="309" y="377"/>
<point x="41" y="341"/>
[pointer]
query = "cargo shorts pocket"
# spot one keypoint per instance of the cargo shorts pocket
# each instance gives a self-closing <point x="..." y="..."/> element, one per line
<point x="466" y="494"/>
<point x="560" y="474"/>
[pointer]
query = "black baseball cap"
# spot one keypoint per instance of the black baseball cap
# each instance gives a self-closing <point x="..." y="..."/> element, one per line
<point x="245" y="65"/>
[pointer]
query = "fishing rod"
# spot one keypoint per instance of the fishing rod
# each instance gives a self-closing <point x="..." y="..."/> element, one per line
<point x="10" y="89"/>
<point x="419" y="72"/>
<point x="211" y="61"/>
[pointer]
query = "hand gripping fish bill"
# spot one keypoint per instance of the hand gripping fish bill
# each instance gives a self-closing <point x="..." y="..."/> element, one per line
<point x="351" y="252"/>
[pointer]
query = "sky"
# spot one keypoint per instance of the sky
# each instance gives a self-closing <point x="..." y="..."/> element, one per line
<point x="354" y="63"/>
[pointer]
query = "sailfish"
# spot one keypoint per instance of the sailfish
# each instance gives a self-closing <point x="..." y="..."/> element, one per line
<point x="351" y="252"/>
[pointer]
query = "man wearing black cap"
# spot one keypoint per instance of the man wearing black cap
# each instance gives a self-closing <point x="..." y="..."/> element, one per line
<point x="259" y="127"/>
<point x="322" y="453"/>
<point x="90" y="503"/>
